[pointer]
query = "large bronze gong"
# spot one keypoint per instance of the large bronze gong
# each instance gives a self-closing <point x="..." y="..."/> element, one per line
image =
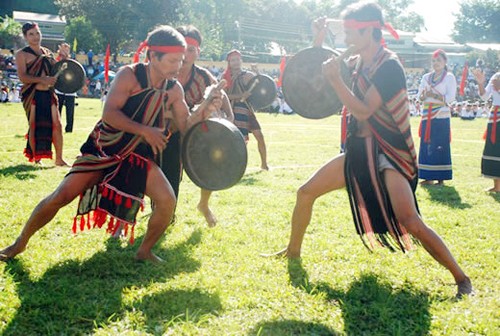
<point x="263" y="91"/>
<point x="305" y="88"/>
<point x="70" y="76"/>
<point x="214" y="154"/>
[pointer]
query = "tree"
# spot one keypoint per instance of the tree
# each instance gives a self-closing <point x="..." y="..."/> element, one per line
<point x="86" y="35"/>
<point x="120" y="21"/>
<point x="478" y="21"/>
<point x="10" y="32"/>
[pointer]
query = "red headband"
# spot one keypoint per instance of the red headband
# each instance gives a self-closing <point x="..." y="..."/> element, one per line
<point x="439" y="52"/>
<point x="162" y="49"/>
<point x="354" y="24"/>
<point x="192" y="41"/>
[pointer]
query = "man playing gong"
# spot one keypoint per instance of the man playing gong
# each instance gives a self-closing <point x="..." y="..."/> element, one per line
<point x="195" y="80"/>
<point x="244" y="115"/>
<point x="117" y="166"/>
<point x="34" y="65"/>
<point x="379" y="167"/>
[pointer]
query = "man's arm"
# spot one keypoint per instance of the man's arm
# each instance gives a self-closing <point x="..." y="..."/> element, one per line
<point x="121" y="89"/>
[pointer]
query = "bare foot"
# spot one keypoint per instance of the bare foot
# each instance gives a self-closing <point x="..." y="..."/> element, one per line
<point x="61" y="163"/>
<point x="148" y="256"/>
<point x="264" y="167"/>
<point x="427" y="182"/>
<point x="493" y="190"/>
<point x="38" y="162"/>
<point x="440" y="183"/>
<point x="10" y="252"/>
<point x="282" y="253"/>
<point x="208" y="214"/>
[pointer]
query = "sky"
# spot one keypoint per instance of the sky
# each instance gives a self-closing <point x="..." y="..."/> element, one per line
<point x="438" y="15"/>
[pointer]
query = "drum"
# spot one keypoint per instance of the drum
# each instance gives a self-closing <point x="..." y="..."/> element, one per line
<point x="70" y="76"/>
<point x="305" y="88"/>
<point x="214" y="154"/>
<point x="263" y="91"/>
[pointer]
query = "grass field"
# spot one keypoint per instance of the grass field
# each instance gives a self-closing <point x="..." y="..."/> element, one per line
<point x="215" y="283"/>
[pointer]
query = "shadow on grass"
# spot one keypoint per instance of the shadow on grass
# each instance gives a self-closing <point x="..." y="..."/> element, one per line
<point x="251" y="178"/>
<point x="446" y="195"/>
<point x="370" y="307"/>
<point x="75" y="297"/>
<point x="22" y="171"/>
<point x="291" y="327"/>
<point x="495" y="196"/>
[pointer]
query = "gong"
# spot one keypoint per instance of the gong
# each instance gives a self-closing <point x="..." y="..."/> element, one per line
<point x="70" y="76"/>
<point x="263" y="91"/>
<point x="214" y="154"/>
<point x="305" y="88"/>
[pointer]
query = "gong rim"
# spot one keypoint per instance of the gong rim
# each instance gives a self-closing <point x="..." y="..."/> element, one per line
<point x="71" y="79"/>
<point x="214" y="154"/>
<point x="264" y="93"/>
<point x="305" y="89"/>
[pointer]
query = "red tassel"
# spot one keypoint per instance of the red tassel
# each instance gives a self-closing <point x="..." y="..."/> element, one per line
<point x="132" y="238"/>
<point x="427" y="137"/>
<point x="74" y="225"/>
<point x="465" y="74"/>
<point x="82" y="223"/>
<point x="118" y="199"/>
<point x="88" y="220"/>
<point x="111" y="194"/>
<point x="105" y="192"/>
<point x="493" y="136"/>
<point x="128" y="203"/>
<point x="111" y="224"/>
<point x="125" y="230"/>
<point x="343" y="126"/>
<point x="118" y="225"/>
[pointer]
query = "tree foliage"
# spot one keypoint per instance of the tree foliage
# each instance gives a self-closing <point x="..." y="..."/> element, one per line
<point x="87" y="37"/>
<point x="478" y="21"/>
<point x="10" y="32"/>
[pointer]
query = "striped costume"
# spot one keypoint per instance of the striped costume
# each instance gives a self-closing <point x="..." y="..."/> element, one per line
<point x="125" y="160"/>
<point x="194" y="89"/>
<point x="490" y="162"/>
<point x="40" y="103"/>
<point x="244" y="115"/>
<point x="391" y="142"/>
<point x="434" y="160"/>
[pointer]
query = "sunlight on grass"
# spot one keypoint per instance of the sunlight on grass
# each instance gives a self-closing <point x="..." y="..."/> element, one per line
<point x="215" y="282"/>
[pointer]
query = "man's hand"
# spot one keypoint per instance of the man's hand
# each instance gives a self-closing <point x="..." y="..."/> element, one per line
<point x="48" y="80"/>
<point x="156" y="138"/>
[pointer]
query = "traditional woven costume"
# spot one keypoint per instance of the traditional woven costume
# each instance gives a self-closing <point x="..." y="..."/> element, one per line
<point x="40" y="103"/>
<point x="125" y="159"/>
<point x="390" y="146"/>
<point x="244" y="115"/>
<point x="434" y="160"/>
<point x="194" y="91"/>
<point x="490" y="162"/>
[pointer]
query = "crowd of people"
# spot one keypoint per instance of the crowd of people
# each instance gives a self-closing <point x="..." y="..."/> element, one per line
<point x="134" y="150"/>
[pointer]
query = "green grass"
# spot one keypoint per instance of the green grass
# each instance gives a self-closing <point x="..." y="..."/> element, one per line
<point x="215" y="283"/>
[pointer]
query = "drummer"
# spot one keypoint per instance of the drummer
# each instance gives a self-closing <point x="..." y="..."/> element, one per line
<point x="195" y="80"/>
<point x="117" y="166"/>
<point x="378" y="168"/>
<point x="244" y="115"/>
<point x="34" y="64"/>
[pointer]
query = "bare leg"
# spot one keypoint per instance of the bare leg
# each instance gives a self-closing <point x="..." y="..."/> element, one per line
<point x="404" y="207"/>
<point x="496" y="186"/>
<point x="204" y="209"/>
<point x="161" y="193"/>
<point x="71" y="186"/>
<point x="31" y="136"/>
<point x="261" y="144"/>
<point x="327" y="178"/>
<point x="57" y="136"/>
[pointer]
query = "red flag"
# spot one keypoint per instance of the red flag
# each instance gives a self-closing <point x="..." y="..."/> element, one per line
<point x="282" y="69"/>
<point x="106" y="65"/>
<point x="465" y="73"/>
